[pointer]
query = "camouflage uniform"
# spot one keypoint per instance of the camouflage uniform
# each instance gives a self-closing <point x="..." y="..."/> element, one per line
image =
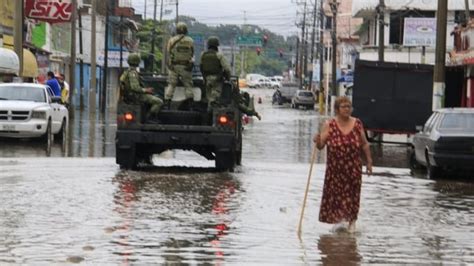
<point x="181" y="51"/>
<point x="215" y="69"/>
<point x="245" y="103"/>
<point x="132" y="92"/>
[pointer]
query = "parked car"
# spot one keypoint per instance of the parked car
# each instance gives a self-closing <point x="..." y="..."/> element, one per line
<point x="446" y="141"/>
<point x="275" y="83"/>
<point x="30" y="110"/>
<point x="303" y="98"/>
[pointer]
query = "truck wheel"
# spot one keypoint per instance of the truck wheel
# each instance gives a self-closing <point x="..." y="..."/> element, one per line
<point x="225" y="161"/>
<point x="126" y="158"/>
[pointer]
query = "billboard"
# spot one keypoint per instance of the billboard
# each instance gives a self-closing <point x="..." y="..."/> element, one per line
<point x="419" y="32"/>
<point x="52" y="11"/>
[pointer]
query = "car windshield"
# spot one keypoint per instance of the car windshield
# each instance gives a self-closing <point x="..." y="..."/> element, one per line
<point x="22" y="93"/>
<point x="305" y="94"/>
<point x="457" y="122"/>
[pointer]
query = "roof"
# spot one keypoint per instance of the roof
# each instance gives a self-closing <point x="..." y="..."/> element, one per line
<point x="22" y="85"/>
<point x="365" y="8"/>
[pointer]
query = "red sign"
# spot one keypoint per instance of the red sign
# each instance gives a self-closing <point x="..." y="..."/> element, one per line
<point x="52" y="11"/>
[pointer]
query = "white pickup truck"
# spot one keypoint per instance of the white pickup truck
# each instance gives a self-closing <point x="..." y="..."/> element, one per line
<point x="29" y="110"/>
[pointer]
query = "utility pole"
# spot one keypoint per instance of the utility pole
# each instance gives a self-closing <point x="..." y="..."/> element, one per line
<point x="106" y="57"/>
<point x="468" y="13"/>
<point x="93" y="83"/>
<point x="18" y="33"/>
<point x="81" y="63"/>
<point x="144" y="12"/>
<point x="381" y="15"/>
<point x="72" y="63"/>
<point x="334" y="6"/>
<point x="121" y="43"/>
<point x="297" y="59"/>
<point x="153" y="34"/>
<point x="440" y="55"/>
<point x="321" y="46"/>
<point x="301" y="74"/>
<point x="313" y="38"/>
<point x="176" y="11"/>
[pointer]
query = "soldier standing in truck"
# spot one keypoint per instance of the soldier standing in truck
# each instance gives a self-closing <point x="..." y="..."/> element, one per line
<point x="132" y="92"/>
<point x="181" y="50"/>
<point x="215" y="70"/>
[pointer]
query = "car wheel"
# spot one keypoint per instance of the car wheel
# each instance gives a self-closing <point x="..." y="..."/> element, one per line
<point x="432" y="171"/>
<point x="62" y="134"/>
<point x="48" y="138"/>
<point x="414" y="164"/>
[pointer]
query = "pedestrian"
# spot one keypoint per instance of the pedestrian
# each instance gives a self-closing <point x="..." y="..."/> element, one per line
<point x="181" y="50"/>
<point x="345" y="138"/>
<point x="53" y="83"/>
<point x="215" y="70"/>
<point x="64" y="89"/>
<point x="132" y="91"/>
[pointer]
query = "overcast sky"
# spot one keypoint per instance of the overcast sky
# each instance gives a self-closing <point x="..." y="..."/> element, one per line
<point x="278" y="16"/>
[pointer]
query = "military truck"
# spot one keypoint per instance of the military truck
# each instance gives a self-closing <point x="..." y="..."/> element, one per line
<point x="215" y="134"/>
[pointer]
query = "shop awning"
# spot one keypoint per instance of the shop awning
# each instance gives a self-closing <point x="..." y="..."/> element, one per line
<point x="9" y="63"/>
<point x="30" y="65"/>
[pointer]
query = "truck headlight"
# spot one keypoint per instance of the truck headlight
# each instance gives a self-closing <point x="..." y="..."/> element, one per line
<point x="38" y="114"/>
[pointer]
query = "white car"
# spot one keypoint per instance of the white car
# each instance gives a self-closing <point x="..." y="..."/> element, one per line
<point x="29" y="110"/>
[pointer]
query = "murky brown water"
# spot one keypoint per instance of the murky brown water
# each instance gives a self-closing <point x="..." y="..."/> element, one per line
<point x="85" y="210"/>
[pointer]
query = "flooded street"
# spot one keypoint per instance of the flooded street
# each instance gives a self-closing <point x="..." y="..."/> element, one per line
<point x="77" y="206"/>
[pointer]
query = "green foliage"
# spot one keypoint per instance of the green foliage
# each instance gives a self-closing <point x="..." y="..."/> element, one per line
<point x="268" y="63"/>
<point x="145" y="35"/>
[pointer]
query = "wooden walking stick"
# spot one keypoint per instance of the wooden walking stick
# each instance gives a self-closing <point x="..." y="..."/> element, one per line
<point x="313" y="158"/>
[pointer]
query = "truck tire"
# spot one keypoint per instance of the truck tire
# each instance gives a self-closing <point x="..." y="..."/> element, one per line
<point x="126" y="158"/>
<point x="225" y="160"/>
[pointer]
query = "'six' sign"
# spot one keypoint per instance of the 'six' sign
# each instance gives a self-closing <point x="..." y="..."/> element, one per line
<point x="52" y="11"/>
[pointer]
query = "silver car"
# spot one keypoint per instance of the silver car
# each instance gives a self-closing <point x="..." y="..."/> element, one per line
<point x="303" y="98"/>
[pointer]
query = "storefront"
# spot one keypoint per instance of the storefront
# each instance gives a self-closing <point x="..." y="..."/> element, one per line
<point x="463" y="55"/>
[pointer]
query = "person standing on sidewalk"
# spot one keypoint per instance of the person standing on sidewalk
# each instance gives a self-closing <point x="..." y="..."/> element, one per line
<point x="345" y="138"/>
<point x="53" y="83"/>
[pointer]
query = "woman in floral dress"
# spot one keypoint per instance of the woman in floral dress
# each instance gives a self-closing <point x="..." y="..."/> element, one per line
<point x="344" y="135"/>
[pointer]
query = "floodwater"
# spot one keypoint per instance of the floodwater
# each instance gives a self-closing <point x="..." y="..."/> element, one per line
<point x="77" y="206"/>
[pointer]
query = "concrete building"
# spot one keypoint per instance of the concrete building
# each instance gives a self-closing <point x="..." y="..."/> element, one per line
<point x="410" y="31"/>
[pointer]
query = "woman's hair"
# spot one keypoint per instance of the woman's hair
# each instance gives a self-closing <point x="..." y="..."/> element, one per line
<point x="340" y="100"/>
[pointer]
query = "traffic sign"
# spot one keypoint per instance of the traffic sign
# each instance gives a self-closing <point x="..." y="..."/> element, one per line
<point x="255" y="41"/>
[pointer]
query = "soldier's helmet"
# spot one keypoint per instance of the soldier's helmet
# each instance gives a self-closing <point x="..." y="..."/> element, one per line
<point x="181" y="28"/>
<point x="133" y="60"/>
<point x="213" y="41"/>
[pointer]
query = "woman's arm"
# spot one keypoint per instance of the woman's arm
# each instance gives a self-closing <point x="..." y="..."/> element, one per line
<point x="320" y="139"/>
<point x="366" y="149"/>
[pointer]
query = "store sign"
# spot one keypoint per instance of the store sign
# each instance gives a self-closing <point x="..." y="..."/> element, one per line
<point x="52" y="11"/>
<point x="419" y="32"/>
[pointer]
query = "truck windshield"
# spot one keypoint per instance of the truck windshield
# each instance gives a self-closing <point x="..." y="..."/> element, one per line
<point x="457" y="122"/>
<point x="20" y="93"/>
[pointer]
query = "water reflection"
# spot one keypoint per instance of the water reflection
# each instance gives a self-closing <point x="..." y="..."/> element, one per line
<point x="180" y="216"/>
<point x="338" y="249"/>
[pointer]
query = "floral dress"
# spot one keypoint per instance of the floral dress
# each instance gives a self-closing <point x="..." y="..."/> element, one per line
<point x="342" y="183"/>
